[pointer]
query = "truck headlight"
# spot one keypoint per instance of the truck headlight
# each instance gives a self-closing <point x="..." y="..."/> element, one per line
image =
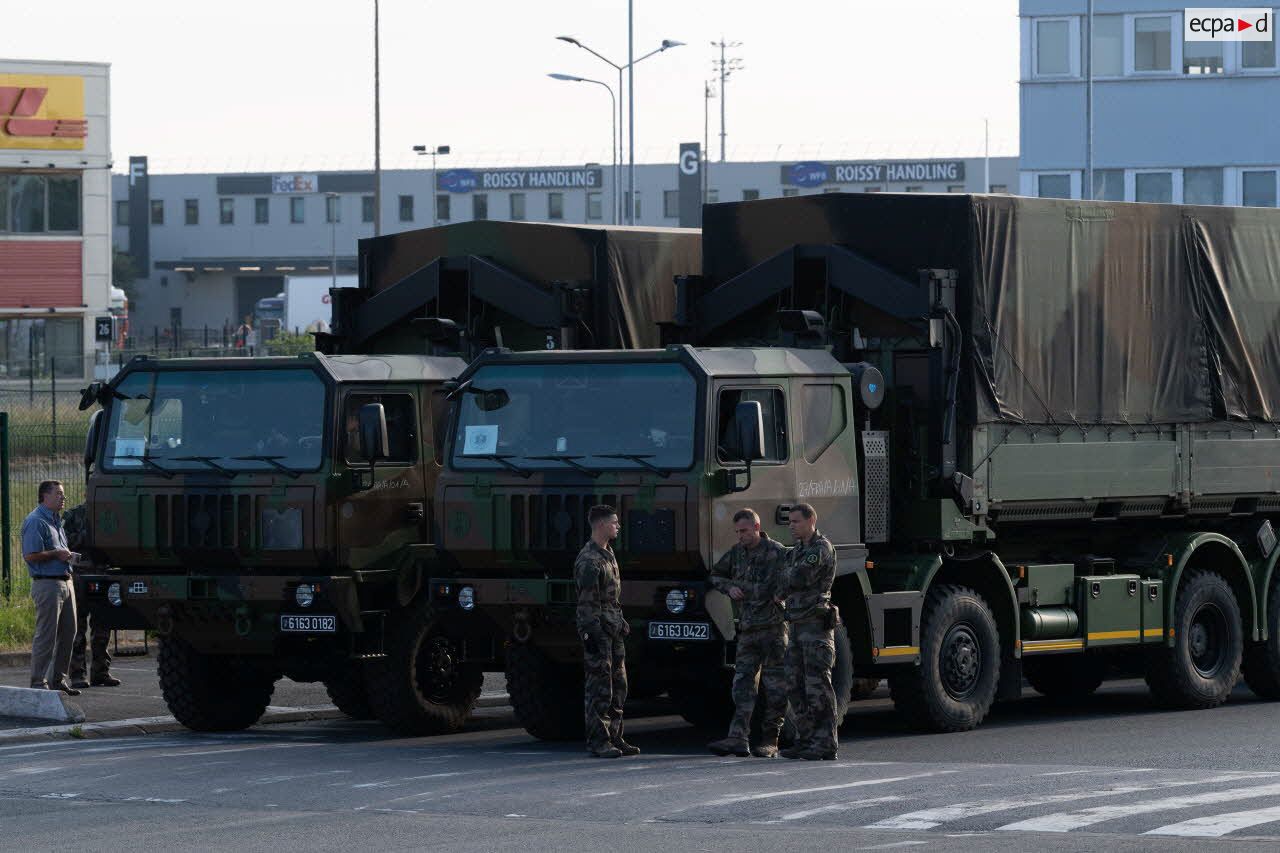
<point x="466" y="598"/>
<point x="305" y="594"/>
<point x="676" y="600"/>
<point x="113" y="594"/>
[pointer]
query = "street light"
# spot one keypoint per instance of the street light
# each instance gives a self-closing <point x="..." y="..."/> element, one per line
<point x="613" y="102"/>
<point x="439" y="150"/>
<point x="667" y="44"/>
<point x="331" y="210"/>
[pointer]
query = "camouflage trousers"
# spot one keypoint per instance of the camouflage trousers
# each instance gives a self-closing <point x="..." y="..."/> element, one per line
<point x="811" y="652"/>
<point x="760" y="663"/>
<point x="605" y="689"/>
<point x="98" y="641"/>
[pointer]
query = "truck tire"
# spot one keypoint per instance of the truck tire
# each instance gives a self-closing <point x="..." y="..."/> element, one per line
<point x="863" y="688"/>
<point x="953" y="687"/>
<point x="420" y="687"/>
<point x="708" y="704"/>
<point x="1261" y="663"/>
<point x="1204" y="664"/>
<point x="212" y="693"/>
<point x="546" y="696"/>
<point x="1064" y="678"/>
<point x="348" y="691"/>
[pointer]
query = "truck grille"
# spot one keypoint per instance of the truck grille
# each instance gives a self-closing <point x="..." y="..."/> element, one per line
<point x="193" y="520"/>
<point x="551" y="522"/>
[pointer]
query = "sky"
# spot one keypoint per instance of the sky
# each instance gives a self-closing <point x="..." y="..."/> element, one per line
<point x="288" y="85"/>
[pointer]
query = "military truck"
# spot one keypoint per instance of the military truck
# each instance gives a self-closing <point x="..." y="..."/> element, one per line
<point x="274" y="516"/>
<point x="1043" y="436"/>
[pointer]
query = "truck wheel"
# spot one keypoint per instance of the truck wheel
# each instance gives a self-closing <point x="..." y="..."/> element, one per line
<point x="1204" y="663"/>
<point x="421" y="687"/>
<point x="863" y="688"/>
<point x="347" y="690"/>
<point x="953" y="687"/>
<point x="1065" y="677"/>
<point x="212" y="693"/>
<point x="546" y="696"/>
<point x="1261" y="664"/>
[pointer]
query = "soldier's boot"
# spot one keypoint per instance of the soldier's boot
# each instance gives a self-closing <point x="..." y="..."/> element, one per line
<point x="730" y="746"/>
<point x="817" y="755"/>
<point x="606" y="751"/>
<point x="767" y="747"/>
<point x="796" y="751"/>
<point x="625" y="748"/>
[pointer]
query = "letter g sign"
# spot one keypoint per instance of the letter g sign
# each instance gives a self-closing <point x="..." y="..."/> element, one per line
<point x="689" y="162"/>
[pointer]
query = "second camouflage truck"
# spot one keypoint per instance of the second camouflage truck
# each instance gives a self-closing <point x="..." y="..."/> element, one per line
<point x="274" y="516"/>
<point x="1043" y="437"/>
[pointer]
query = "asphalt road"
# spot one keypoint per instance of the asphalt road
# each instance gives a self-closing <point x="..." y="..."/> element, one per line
<point x="1110" y="774"/>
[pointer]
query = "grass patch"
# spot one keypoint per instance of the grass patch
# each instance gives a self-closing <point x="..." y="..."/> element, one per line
<point x="77" y="732"/>
<point x="18" y="616"/>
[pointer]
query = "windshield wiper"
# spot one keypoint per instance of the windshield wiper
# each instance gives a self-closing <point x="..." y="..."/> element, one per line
<point x="641" y="459"/>
<point x="148" y="462"/>
<point x="501" y="459"/>
<point x="270" y="460"/>
<point x="570" y="460"/>
<point x="208" y="460"/>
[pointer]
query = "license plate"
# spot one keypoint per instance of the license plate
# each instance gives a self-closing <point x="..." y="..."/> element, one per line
<point x="309" y="624"/>
<point x="679" y="630"/>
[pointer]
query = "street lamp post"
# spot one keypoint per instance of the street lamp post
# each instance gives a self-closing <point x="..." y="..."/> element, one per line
<point x="667" y="44"/>
<point x="331" y="211"/>
<point x="377" y="129"/>
<point x="438" y="150"/>
<point x="613" y="115"/>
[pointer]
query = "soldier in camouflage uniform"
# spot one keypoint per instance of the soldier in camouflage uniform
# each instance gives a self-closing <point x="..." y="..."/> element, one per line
<point x="811" y="648"/>
<point x="98" y="674"/>
<point x="603" y="629"/>
<point x="751" y="573"/>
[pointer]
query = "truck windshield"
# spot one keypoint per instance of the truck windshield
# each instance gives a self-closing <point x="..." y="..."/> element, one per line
<point x="205" y="419"/>
<point x="534" y="416"/>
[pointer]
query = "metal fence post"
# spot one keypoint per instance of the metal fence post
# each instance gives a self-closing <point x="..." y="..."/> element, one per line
<point x="53" y="404"/>
<point x="6" y="539"/>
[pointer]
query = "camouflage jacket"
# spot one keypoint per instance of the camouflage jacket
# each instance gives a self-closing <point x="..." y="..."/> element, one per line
<point x="759" y="573"/>
<point x="599" y="589"/>
<point x="811" y="569"/>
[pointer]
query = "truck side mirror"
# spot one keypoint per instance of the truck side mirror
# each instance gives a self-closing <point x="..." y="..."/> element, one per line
<point x="373" y="432"/>
<point x="91" y="441"/>
<point x="748" y="425"/>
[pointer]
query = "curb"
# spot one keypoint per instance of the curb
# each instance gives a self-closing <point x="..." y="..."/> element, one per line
<point x="35" y="703"/>
<point x="165" y="724"/>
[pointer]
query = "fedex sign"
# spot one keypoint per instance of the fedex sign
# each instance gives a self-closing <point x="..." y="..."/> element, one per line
<point x="1228" y="25"/>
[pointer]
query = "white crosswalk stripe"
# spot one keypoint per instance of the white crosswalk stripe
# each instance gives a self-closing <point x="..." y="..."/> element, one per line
<point x="1068" y="821"/>
<point x="1215" y="826"/>
<point x="930" y="818"/>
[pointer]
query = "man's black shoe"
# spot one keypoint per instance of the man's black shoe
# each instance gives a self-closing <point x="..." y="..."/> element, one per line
<point x="104" y="681"/>
<point x="65" y="688"/>
<point x="79" y="683"/>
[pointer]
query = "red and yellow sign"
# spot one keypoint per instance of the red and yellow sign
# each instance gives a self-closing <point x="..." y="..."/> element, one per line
<point x="42" y="111"/>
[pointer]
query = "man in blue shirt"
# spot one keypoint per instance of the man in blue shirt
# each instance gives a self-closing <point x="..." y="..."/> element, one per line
<point x="44" y="547"/>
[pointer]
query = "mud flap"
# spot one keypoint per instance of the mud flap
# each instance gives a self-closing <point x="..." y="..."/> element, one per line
<point x="1010" y="686"/>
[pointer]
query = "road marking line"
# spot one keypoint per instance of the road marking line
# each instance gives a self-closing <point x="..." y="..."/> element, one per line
<point x="837" y="807"/>
<point x="1098" y="770"/>
<point x="233" y="749"/>
<point x="768" y="795"/>
<point x="1218" y="825"/>
<point x="893" y="845"/>
<point x="1067" y="821"/>
<point x="930" y="818"/>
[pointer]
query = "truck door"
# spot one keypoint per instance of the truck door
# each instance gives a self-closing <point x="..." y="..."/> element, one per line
<point x="374" y="523"/>
<point x="826" y="459"/>
<point x="773" y="478"/>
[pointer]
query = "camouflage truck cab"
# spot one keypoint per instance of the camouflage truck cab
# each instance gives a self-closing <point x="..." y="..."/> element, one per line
<point x="265" y="515"/>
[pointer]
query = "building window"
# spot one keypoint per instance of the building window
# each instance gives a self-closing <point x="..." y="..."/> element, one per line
<point x="261" y="211"/>
<point x="835" y="189"/>
<point x="1202" y="57"/>
<point x="671" y="204"/>
<point x="788" y="192"/>
<point x="955" y="188"/>
<point x="913" y="190"/>
<point x="1258" y="55"/>
<point x="639" y="198"/>
<point x="1053" y="186"/>
<point x="1108" y="184"/>
<point x="1053" y="47"/>
<point x="750" y="195"/>
<point x="1154" y="187"/>
<point x="27" y="199"/>
<point x="864" y="189"/>
<point x="626" y="202"/>
<point x="442" y="208"/>
<point x="122" y="213"/>
<point x="192" y="211"/>
<point x="1202" y="186"/>
<point x="1258" y="188"/>
<point x="60" y="340"/>
<point x="1108" y="45"/>
<point x="713" y="196"/>
<point x="999" y="189"/>
<point x="595" y="209"/>
<point x="157" y="211"/>
<point x="226" y="211"/>
<point x="332" y="208"/>
<point x="1153" y="43"/>
<point x="555" y="205"/>
<point x="366" y="208"/>
<point x="517" y="206"/>
<point x="297" y="210"/>
<point x="406" y="208"/>
<point x="480" y="206"/>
